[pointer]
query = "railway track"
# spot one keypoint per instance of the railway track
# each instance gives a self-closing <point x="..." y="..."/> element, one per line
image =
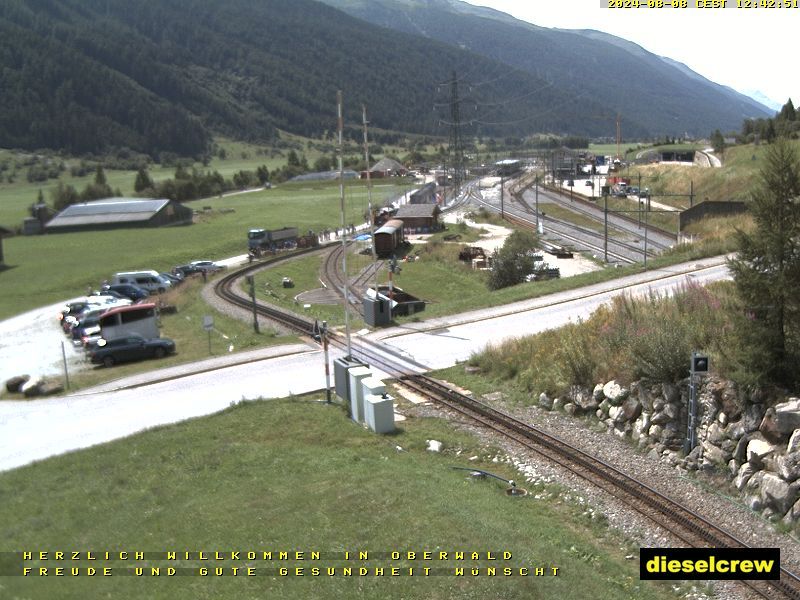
<point x="333" y="275"/>
<point x="689" y="527"/>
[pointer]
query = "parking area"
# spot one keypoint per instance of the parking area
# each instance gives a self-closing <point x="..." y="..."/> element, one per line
<point x="35" y="345"/>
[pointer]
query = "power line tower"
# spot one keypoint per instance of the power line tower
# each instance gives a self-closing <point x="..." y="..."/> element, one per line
<point x="456" y="148"/>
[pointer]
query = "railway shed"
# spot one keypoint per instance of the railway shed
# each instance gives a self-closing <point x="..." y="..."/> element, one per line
<point x="389" y="237"/>
<point x="420" y="218"/>
<point x="113" y="213"/>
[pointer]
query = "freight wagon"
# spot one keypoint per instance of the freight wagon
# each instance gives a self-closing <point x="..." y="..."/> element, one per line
<point x="389" y="237"/>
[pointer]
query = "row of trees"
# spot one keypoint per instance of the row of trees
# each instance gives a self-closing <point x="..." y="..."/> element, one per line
<point x="784" y="124"/>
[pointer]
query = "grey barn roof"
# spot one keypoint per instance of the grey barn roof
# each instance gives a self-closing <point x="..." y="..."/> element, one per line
<point x="109" y="210"/>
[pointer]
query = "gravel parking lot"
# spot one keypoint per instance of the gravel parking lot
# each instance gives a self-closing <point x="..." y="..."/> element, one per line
<point x="32" y="345"/>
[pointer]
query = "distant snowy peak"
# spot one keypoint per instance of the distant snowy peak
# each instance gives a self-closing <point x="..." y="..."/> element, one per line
<point x="764" y="99"/>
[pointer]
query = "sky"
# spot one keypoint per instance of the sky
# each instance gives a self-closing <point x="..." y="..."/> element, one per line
<point x="747" y="49"/>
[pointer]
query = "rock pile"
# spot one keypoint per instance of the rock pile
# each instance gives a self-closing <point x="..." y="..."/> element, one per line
<point x="756" y="444"/>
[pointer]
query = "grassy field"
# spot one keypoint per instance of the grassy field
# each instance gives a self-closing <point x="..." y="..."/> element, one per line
<point x="49" y="268"/>
<point x="297" y="475"/>
<point x="17" y="196"/>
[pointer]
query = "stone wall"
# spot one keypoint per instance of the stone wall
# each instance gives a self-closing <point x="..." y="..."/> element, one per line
<point x="756" y="445"/>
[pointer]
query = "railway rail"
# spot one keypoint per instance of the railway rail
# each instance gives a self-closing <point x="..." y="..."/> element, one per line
<point x="689" y="527"/>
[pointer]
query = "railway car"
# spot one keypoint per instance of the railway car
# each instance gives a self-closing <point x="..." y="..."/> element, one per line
<point x="389" y="237"/>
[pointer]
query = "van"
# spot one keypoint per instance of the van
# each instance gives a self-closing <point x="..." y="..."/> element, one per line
<point x="151" y="281"/>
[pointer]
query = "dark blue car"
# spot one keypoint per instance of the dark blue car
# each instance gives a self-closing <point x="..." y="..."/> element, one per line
<point x="134" y="292"/>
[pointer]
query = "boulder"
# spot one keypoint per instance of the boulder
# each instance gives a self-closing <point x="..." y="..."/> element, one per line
<point x="755" y="481"/>
<point x="545" y="401"/>
<point x="740" y="453"/>
<point x="31" y="388"/>
<point x="586" y="401"/>
<point x="655" y="431"/>
<point x="754" y="503"/>
<point x="597" y="393"/>
<point x="658" y="404"/>
<point x="695" y="454"/>
<point x="631" y="408"/>
<point x="641" y="425"/>
<point x="736" y="430"/>
<point x="778" y="494"/>
<point x="604" y="406"/>
<point x="743" y="475"/>
<point x="752" y="416"/>
<point x="15" y="384"/>
<point x="672" y="411"/>
<point x="787" y="416"/>
<point x="793" y="515"/>
<point x="672" y="436"/>
<point x="794" y="442"/>
<point x="733" y="467"/>
<point x="757" y="451"/>
<point x="670" y="392"/>
<point x="714" y="454"/>
<point x="50" y="387"/>
<point x="775" y="425"/>
<point x="715" y="433"/>
<point x="660" y="418"/>
<point x="614" y="392"/>
<point x="570" y="409"/>
<point x="558" y="404"/>
<point x="789" y="466"/>
<point x="616" y="414"/>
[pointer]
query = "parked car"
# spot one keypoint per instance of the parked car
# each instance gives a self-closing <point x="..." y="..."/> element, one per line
<point x="152" y="281"/>
<point x="128" y="348"/>
<point x="185" y="271"/>
<point x="209" y="266"/>
<point x="106" y="294"/>
<point x="85" y="327"/>
<point x="174" y="279"/>
<point x="78" y="307"/>
<point x="73" y="320"/>
<point x="133" y="292"/>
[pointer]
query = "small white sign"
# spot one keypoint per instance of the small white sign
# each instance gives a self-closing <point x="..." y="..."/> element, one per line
<point x="208" y="322"/>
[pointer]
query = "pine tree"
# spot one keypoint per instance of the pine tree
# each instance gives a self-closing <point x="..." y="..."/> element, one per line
<point x="143" y="181"/>
<point x="766" y="271"/>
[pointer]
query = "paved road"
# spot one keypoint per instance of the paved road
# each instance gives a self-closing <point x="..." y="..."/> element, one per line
<point x="33" y="430"/>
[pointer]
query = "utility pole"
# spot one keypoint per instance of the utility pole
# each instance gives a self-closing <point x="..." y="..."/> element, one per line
<point x="502" y="194"/>
<point x="344" y="236"/>
<point x="324" y="336"/>
<point x="645" y="240"/>
<point x="456" y="149"/>
<point x="537" y="204"/>
<point x="605" y="227"/>
<point x="252" y="281"/>
<point x="369" y="198"/>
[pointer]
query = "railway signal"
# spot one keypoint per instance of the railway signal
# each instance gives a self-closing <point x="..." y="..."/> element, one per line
<point x="698" y="365"/>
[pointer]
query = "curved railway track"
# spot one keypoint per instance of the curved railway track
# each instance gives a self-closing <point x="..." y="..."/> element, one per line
<point x="689" y="527"/>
